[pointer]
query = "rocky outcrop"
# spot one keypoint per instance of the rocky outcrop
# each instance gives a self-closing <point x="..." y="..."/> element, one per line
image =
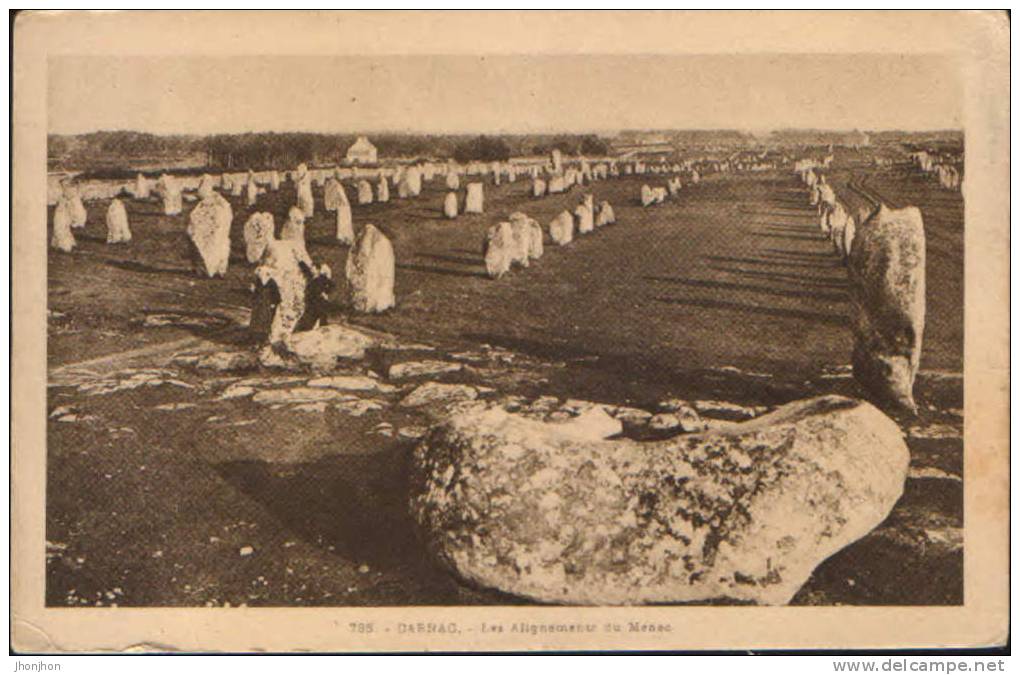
<point x="741" y="514"/>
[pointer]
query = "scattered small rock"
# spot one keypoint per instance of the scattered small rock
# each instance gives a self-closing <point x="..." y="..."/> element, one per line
<point x="422" y="368"/>
<point x="436" y="392"/>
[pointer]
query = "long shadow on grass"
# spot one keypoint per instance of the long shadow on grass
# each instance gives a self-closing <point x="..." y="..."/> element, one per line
<point x="453" y="259"/>
<point x="777" y="261"/>
<point x="793" y="237"/>
<point x="749" y="288"/>
<point x="134" y="266"/>
<point x="778" y="276"/>
<point x="443" y="271"/>
<point x="781" y="312"/>
<point x="356" y="504"/>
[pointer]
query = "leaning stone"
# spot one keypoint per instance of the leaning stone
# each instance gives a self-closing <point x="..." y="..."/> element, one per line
<point x="886" y="270"/>
<point x="743" y="514"/>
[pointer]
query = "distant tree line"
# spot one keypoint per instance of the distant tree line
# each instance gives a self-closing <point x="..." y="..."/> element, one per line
<point x="270" y="150"/>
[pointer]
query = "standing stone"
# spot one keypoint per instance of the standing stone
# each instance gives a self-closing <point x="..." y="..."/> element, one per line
<point x="450" y="205"/>
<point x="63" y="238"/>
<point x="382" y="190"/>
<point x="209" y="231"/>
<point x="294" y="230"/>
<point x="364" y="192"/>
<point x="556" y="159"/>
<point x="887" y="275"/>
<point x="537" y="187"/>
<point x="837" y="229"/>
<point x="281" y="261"/>
<point x="370" y="271"/>
<point x="252" y="190"/>
<point x="76" y="207"/>
<point x="331" y="194"/>
<point x="520" y="251"/>
<point x="848" y="236"/>
<point x="258" y="231"/>
<point x="532" y="245"/>
<point x="344" y="223"/>
<point x="303" y="181"/>
<point x="170" y="191"/>
<point x="413" y="177"/>
<point x="605" y="215"/>
<point x="205" y="186"/>
<point x="452" y="179"/>
<point x="117" y="230"/>
<point x="274" y="180"/>
<point x="561" y="229"/>
<point x="536" y="246"/>
<point x="557" y="184"/>
<point x="499" y="249"/>
<point x="742" y="514"/>
<point x="475" y="198"/>
<point x="647" y="196"/>
<point x="141" y="187"/>
<point x="585" y="219"/>
<point x="237" y="184"/>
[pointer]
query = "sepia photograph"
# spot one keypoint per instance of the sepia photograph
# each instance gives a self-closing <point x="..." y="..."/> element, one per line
<point x="505" y="331"/>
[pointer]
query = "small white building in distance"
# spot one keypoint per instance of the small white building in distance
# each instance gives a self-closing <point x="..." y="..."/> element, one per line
<point x="362" y="152"/>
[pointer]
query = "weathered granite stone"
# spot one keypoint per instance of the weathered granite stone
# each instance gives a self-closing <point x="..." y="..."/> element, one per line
<point x="886" y="270"/>
<point x="743" y="513"/>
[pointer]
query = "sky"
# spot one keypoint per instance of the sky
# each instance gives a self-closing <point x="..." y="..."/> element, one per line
<point x="501" y="94"/>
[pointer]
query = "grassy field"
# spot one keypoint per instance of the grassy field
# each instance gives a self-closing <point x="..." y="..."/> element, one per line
<point x="728" y="292"/>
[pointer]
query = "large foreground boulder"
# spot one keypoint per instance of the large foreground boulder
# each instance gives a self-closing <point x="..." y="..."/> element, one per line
<point x="886" y="270"/>
<point x="742" y="514"/>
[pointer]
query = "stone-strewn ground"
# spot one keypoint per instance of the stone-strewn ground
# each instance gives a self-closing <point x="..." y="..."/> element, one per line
<point x="171" y="483"/>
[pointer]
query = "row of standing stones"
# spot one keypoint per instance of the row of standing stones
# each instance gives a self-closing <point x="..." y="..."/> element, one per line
<point x="574" y="515"/>
<point x="567" y="514"/>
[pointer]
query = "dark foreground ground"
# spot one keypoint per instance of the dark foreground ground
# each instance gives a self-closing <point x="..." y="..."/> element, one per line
<point x="168" y="494"/>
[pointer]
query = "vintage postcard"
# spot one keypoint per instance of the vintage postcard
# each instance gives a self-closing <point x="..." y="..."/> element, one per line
<point x="493" y="331"/>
